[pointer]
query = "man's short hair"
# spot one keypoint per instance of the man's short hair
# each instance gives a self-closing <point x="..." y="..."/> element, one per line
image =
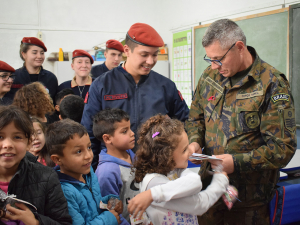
<point x="225" y="31"/>
<point x="72" y="107"/>
<point x="130" y="43"/>
<point x="104" y="121"/>
<point x="58" y="133"/>
<point x="60" y="95"/>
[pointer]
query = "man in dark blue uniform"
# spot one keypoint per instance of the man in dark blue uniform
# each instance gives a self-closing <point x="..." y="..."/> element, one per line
<point x="134" y="87"/>
<point x="113" y="55"/>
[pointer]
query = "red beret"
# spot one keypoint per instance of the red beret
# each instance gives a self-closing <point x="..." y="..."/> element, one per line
<point x="4" y="67"/>
<point x="34" y="41"/>
<point x="115" y="45"/>
<point x="143" y="34"/>
<point x="82" y="53"/>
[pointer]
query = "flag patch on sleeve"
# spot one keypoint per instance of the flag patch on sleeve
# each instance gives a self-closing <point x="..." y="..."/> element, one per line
<point x="280" y="97"/>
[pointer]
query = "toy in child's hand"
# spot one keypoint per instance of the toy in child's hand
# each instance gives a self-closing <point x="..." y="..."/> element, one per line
<point x="111" y="204"/>
<point x="115" y="204"/>
<point x="12" y="200"/>
<point x="231" y="194"/>
<point x="143" y="221"/>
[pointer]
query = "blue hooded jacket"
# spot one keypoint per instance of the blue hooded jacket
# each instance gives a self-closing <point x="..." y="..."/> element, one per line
<point x="115" y="177"/>
<point x="84" y="200"/>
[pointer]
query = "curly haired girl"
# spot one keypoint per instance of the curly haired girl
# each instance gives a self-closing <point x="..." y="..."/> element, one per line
<point x="173" y="191"/>
<point x="34" y="99"/>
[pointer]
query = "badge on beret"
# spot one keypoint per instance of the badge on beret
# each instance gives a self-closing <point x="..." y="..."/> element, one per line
<point x="289" y="119"/>
<point x="280" y="96"/>
<point x="252" y="120"/>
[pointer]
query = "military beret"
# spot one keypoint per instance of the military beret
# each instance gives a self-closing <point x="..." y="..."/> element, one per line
<point x="143" y="34"/>
<point x="114" y="44"/>
<point x="81" y="53"/>
<point x="4" y="67"/>
<point x="34" y="41"/>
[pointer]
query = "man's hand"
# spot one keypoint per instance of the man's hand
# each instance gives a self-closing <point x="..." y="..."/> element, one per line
<point x="196" y="148"/>
<point x="139" y="204"/>
<point x="23" y="213"/>
<point x="227" y="163"/>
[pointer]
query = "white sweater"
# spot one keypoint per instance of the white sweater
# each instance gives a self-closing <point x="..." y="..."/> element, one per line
<point x="177" y="198"/>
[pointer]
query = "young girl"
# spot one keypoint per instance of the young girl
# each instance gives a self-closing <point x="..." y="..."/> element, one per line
<point x="6" y="79"/>
<point x="34" y="99"/>
<point x="81" y="64"/>
<point x="22" y="176"/>
<point x="161" y="167"/>
<point x="38" y="147"/>
<point x="32" y="52"/>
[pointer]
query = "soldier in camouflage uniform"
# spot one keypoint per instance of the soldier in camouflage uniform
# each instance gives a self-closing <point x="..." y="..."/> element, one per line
<point x="243" y="113"/>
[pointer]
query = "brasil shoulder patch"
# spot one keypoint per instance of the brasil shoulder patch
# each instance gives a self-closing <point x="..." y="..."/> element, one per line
<point x="280" y="97"/>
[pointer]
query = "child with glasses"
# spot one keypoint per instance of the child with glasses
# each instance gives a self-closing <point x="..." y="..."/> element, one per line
<point x="7" y="78"/>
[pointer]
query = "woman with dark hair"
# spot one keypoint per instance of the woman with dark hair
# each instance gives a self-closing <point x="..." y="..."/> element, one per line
<point x="6" y="79"/>
<point x="32" y="53"/>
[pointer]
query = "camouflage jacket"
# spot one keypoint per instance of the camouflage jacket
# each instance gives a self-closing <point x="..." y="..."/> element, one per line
<point x="254" y="121"/>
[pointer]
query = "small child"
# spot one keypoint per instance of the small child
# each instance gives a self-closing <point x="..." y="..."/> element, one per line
<point x="27" y="179"/>
<point x="161" y="167"/>
<point x="35" y="100"/>
<point x="112" y="126"/>
<point x="60" y="96"/>
<point x="71" y="107"/>
<point x="70" y="148"/>
<point x="38" y="147"/>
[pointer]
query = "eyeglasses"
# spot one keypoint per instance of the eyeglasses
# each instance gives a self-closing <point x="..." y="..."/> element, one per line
<point x="6" y="77"/>
<point x="218" y="62"/>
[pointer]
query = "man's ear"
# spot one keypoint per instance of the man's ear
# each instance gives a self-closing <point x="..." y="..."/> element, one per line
<point x="127" y="50"/>
<point x="56" y="159"/>
<point x="105" y="54"/>
<point x="106" y="138"/>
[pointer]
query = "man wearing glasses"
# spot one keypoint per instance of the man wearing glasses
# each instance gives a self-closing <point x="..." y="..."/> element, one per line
<point x="6" y="79"/>
<point x="243" y="113"/>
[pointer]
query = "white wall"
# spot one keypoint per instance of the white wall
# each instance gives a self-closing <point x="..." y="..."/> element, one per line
<point x="68" y="24"/>
<point x="77" y="24"/>
<point x="182" y="15"/>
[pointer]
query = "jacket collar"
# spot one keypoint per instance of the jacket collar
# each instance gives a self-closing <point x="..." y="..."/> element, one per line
<point x="25" y="69"/>
<point x="130" y="77"/>
<point x="74" y="84"/>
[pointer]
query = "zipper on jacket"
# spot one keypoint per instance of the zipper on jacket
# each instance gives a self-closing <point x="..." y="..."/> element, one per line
<point x="280" y="112"/>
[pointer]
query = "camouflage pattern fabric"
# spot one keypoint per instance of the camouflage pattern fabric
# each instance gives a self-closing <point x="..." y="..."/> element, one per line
<point x="220" y="215"/>
<point x="254" y="121"/>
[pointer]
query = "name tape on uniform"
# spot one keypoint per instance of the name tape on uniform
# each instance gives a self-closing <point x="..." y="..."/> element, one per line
<point x="249" y="95"/>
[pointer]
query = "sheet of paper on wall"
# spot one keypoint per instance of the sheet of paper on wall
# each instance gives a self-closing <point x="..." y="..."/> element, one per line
<point x="198" y="156"/>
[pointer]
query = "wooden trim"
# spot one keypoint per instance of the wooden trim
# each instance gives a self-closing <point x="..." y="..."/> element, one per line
<point x="250" y="16"/>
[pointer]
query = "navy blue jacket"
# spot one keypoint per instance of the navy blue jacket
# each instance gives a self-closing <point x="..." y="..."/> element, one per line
<point x="98" y="70"/>
<point x="71" y="84"/>
<point x="153" y="94"/>
<point x="47" y="78"/>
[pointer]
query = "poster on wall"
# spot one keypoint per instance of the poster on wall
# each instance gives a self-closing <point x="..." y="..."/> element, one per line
<point x="182" y="64"/>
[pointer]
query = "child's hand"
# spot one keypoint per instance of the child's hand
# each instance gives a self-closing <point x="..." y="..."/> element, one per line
<point x="116" y="215"/>
<point x="119" y="207"/>
<point x="139" y="204"/>
<point x="23" y="213"/>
